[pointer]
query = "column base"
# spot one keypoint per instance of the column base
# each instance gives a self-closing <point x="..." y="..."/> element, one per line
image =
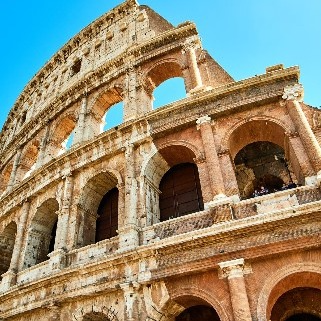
<point x="221" y="199"/>
<point x="128" y="238"/>
<point x="57" y="259"/>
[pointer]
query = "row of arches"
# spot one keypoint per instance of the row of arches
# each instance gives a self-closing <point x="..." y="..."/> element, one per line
<point x="107" y="113"/>
<point x="100" y="205"/>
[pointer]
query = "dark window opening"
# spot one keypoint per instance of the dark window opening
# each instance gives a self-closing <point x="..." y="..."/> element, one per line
<point x="75" y="69"/>
<point x="181" y="192"/>
<point x="107" y="222"/>
<point x="53" y="238"/>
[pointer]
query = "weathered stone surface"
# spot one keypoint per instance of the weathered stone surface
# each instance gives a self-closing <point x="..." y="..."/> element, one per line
<point x="240" y="256"/>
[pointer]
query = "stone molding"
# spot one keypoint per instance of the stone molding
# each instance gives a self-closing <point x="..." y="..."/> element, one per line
<point x="293" y="92"/>
<point x="234" y="269"/>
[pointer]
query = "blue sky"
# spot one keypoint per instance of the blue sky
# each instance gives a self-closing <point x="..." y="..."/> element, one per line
<point x="244" y="36"/>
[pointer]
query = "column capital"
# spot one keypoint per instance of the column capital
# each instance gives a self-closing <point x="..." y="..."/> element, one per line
<point x="293" y="92"/>
<point x="233" y="269"/>
<point x="203" y="120"/>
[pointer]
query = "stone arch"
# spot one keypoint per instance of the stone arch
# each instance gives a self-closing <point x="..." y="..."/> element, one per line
<point x="41" y="233"/>
<point x="246" y="132"/>
<point x="28" y="160"/>
<point x="155" y="166"/>
<point x="307" y="274"/>
<point x="5" y="176"/>
<point x="91" y="196"/>
<point x="187" y="297"/>
<point x="7" y="241"/>
<point x="301" y="303"/>
<point x="60" y="132"/>
<point x="102" y="102"/>
<point x="278" y="161"/>
<point x="161" y="71"/>
<point x="95" y="313"/>
<point x="154" y="154"/>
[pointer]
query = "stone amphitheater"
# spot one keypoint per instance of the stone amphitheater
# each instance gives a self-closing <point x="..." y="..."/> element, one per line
<point x="205" y="209"/>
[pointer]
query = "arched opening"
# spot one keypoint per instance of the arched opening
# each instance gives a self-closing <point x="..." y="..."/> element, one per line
<point x="298" y="304"/>
<point x="42" y="233"/>
<point x="165" y="83"/>
<point x="107" y="110"/>
<point x="113" y="116"/>
<point x="169" y="91"/>
<point x="199" y="313"/>
<point x="261" y="168"/>
<point x="172" y="184"/>
<point x="5" y="177"/>
<point x="7" y="240"/>
<point x="98" y="209"/>
<point x="107" y="222"/>
<point x="62" y="137"/>
<point x="181" y="192"/>
<point x="66" y="144"/>
<point x="28" y="161"/>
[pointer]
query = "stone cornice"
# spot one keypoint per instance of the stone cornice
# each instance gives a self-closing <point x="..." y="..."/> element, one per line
<point x="206" y="248"/>
<point x="222" y="100"/>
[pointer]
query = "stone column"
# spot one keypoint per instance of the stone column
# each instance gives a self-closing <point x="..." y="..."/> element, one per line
<point x="128" y="232"/>
<point x="234" y="272"/>
<point x="130" y="109"/>
<point x="42" y="148"/>
<point x="9" y="278"/>
<point x="194" y="70"/>
<point x="16" y="162"/>
<point x="63" y="214"/>
<point x="212" y="160"/>
<point x="293" y="96"/>
<point x="300" y="161"/>
<point x="80" y="129"/>
<point x="228" y="173"/>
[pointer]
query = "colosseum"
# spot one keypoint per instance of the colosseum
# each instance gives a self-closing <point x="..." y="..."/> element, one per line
<point x="205" y="209"/>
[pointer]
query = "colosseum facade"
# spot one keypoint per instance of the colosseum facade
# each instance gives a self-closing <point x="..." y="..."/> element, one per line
<point x="205" y="209"/>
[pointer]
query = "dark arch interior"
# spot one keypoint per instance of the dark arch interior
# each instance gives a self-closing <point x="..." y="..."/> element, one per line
<point x="180" y="192"/>
<point x="303" y="317"/>
<point x="298" y="304"/>
<point x="107" y="222"/>
<point x="198" y="313"/>
<point x="262" y="164"/>
<point x="53" y="237"/>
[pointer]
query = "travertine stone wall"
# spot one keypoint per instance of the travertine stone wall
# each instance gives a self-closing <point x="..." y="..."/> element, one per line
<point x="237" y="257"/>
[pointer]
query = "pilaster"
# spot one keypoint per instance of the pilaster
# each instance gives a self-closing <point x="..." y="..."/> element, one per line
<point x="80" y="128"/>
<point x="13" y="175"/>
<point x="293" y="96"/>
<point x="128" y="232"/>
<point x="212" y="160"/>
<point x="234" y="272"/>
<point x="63" y="214"/>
